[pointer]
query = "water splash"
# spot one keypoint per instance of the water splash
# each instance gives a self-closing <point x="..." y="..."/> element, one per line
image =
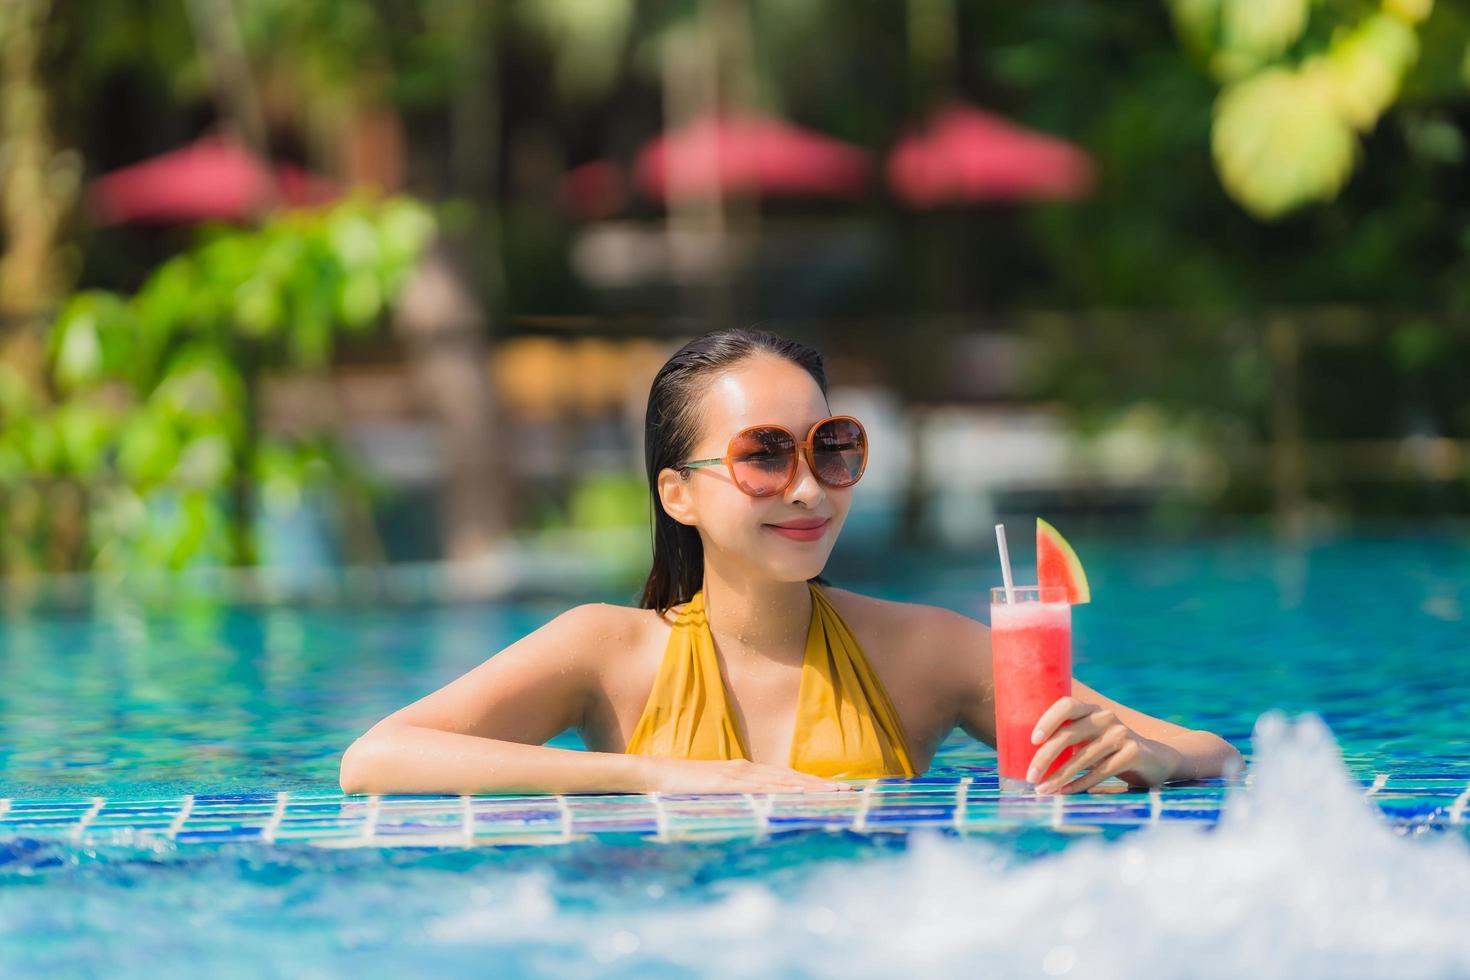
<point x="1301" y="878"/>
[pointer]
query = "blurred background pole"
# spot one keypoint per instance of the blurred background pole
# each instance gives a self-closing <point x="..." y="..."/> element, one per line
<point x="38" y="188"/>
<point x="38" y="185"/>
<point x="222" y="52"/>
<point x="931" y="65"/>
<point x="1288" y="450"/>
<point x="443" y="326"/>
<point x="445" y="313"/>
<point x="728" y="23"/>
<point x="476" y="132"/>
<point x="705" y="69"/>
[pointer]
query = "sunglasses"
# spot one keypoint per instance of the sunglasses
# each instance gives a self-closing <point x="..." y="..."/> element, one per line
<point x="762" y="458"/>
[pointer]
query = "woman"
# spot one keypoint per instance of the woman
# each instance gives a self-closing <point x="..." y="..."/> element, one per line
<point x="741" y="669"/>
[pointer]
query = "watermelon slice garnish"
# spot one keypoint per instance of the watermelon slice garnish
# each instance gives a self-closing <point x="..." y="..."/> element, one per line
<point x="1058" y="565"/>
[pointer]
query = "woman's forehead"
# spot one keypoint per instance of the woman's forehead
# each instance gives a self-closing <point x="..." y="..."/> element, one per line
<point x="769" y="391"/>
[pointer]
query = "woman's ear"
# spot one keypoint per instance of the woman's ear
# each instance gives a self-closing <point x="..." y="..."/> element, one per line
<point x="676" y="495"/>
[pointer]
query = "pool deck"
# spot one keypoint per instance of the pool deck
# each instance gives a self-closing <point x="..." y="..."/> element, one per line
<point x="1409" y="804"/>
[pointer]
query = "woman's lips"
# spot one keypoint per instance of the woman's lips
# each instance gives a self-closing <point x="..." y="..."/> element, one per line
<point x="800" y="533"/>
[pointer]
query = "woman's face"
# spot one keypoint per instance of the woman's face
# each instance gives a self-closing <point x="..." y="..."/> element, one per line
<point x="762" y="389"/>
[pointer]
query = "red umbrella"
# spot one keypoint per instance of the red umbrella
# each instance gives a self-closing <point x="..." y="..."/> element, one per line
<point x="969" y="155"/>
<point x="213" y="178"/>
<point x="749" y="155"/>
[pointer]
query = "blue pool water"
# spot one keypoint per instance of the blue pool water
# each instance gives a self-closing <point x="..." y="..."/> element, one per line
<point x="1368" y="634"/>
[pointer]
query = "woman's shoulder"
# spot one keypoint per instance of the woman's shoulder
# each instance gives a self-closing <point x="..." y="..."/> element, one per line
<point x="599" y="626"/>
<point x="605" y="620"/>
<point x="904" y="625"/>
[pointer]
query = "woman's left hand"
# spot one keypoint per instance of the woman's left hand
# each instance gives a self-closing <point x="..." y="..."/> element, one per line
<point x="1106" y="747"/>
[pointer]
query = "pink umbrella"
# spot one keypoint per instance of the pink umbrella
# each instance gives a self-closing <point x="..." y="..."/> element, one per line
<point x="968" y="155"/>
<point x="749" y="155"/>
<point x="213" y="178"/>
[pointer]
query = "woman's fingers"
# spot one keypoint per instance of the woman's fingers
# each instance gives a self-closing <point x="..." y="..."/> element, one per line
<point x="1110" y="789"/>
<point x="1098" y="749"/>
<point x="811" y="786"/>
<point x="759" y="777"/>
<point x="1089" y="728"/>
<point x="1064" y="709"/>
<point x="790" y="786"/>
<point x="1116" y="763"/>
<point x="739" y="776"/>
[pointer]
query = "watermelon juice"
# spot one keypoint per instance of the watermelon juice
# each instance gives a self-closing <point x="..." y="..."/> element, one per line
<point x="1031" y="650"/>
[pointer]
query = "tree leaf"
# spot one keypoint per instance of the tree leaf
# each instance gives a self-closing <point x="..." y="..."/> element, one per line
<point x="1364" y="67"/>
<point x="1264" y="28"/>
<point x="207" y="461"/>
<point x="76" y="342"/>
<point x="1197" y="23"/>
<point x="1278" y="142"/>
<point x="588" y="36"/>
<point x="86" y="431"/>
<point x="148" y="449"/>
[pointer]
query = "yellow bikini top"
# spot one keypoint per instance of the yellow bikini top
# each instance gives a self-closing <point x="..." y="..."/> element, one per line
<point x="845" y="724"/>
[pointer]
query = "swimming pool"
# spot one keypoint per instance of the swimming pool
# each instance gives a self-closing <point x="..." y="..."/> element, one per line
<point x="1300" y="877"/>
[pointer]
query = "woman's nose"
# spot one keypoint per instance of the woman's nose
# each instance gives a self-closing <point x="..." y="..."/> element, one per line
<point x="805" y="485"/>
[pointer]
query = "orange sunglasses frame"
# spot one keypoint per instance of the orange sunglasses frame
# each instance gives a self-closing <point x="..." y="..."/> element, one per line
<point x="803" y="446"/>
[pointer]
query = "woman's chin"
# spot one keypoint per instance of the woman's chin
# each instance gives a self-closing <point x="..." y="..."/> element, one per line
<point x="798" y="571"/>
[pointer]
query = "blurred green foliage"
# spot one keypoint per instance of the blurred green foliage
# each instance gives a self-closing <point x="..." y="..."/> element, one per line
<point x="1301" y="80"/>
<point x="139" y="445"/>
<point x="1252" y="156"/>
<point x="608" y="500"/>
<point x="606" y="516"/>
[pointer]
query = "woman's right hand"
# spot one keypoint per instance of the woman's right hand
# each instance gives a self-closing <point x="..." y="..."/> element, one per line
<point x="733" y="776"/>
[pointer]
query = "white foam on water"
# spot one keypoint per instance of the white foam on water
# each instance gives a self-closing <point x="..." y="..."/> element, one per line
<point x="1301" y="878"/>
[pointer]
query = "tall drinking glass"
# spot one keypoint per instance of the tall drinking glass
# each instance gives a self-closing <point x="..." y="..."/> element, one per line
<point x="1031" y="647"/>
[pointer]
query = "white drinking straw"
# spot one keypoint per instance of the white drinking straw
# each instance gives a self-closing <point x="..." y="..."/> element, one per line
<point x="1005" y="564"/>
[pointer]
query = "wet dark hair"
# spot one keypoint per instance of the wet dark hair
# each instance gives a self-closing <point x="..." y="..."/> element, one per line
<point x="670" y="430"/>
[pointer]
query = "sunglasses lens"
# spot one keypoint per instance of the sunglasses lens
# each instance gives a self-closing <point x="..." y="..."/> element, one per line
<point x="763" y="460"/>
<point x="839" y="449"/>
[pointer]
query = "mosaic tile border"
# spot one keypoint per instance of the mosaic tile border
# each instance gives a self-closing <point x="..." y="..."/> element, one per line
<point x="1408" y="802"/>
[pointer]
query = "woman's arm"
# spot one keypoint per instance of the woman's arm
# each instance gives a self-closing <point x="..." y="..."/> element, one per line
<point x="483" y="732"/>
<point x="396" y="757"/>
